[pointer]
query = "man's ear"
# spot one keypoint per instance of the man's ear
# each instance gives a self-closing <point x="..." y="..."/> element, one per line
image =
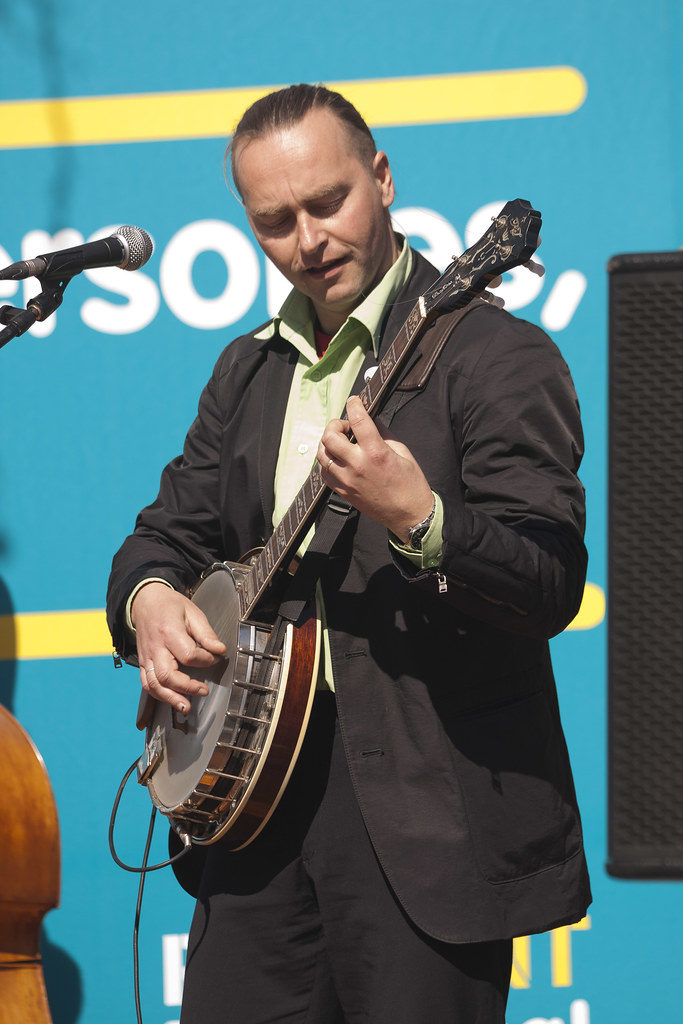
<point x="382" y="174"/>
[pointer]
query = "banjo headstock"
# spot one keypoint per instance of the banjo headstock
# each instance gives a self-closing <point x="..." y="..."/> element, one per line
<point x="511" y="240"/>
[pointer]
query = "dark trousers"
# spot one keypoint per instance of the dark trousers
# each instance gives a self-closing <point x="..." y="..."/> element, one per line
<point x="302" y="927"/>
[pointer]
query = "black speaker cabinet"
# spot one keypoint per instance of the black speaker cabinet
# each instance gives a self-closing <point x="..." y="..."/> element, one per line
<point x="646" y="565"/>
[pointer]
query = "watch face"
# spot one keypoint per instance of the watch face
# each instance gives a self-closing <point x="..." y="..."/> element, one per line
<point x="416" y="534"/>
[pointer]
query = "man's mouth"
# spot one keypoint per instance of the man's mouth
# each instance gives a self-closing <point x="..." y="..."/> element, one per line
<point x="327" y="268"/>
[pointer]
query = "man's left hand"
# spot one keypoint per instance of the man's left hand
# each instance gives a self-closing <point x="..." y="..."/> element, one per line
<point x="377" y="475"/>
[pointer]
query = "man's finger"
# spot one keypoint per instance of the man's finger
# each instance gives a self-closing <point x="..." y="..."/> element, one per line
<point x="335" y="444"/>
<point x="207" y="647"/>
<point x="333" y="450"/>
<point x="165" y="681"/>
<point x="155" y="688"/>
<point x="364" y="429"/>
<point x="163" y="693"/>
<point x="190" y="654"/>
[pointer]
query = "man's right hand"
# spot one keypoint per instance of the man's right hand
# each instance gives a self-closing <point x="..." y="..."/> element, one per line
<point x="172" y="631"/>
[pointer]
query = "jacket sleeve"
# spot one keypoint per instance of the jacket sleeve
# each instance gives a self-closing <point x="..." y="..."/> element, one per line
<point x="513" y="552"/>
<point x="177" y="536"/>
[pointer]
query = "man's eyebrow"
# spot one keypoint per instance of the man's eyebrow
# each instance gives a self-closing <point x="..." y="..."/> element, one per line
<point x="324" y="192"/>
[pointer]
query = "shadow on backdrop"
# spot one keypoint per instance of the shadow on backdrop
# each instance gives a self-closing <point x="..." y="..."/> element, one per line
<point x="62" y="981"/>
<point x="36" y="26"/>
<point x="8" y="643"/>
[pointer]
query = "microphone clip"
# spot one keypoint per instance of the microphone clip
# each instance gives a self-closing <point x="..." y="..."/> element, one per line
<point x="40" y="307"/>
<point x="46" y="302"/>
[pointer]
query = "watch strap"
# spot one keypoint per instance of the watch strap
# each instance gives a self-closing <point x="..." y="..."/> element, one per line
<point x="417" y="532"/>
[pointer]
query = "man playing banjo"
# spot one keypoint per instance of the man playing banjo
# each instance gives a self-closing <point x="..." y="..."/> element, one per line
<point x="431" y="814"/>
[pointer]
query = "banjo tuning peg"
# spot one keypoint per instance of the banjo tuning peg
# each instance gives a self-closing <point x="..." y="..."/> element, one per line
<point x="535" y="268"/>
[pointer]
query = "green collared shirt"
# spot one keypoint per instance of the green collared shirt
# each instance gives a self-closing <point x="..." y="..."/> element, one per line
<point x="318" y="393"/>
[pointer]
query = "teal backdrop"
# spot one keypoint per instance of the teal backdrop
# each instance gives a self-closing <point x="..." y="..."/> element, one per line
<point x="95" y="402"/>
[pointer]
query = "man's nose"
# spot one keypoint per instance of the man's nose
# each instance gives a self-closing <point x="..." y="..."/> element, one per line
<point x="311" y="235"/>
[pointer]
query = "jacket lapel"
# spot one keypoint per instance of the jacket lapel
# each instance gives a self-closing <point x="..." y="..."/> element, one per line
<point x="280" y="362"/>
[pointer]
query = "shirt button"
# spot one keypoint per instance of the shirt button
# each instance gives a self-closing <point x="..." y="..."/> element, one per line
<point x="315" y="375"/>
<point x="302" y="449"/>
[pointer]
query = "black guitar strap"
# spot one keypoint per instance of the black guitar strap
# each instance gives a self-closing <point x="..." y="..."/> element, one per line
<point x="337" y="514"/>
<point x="428" y="351"/>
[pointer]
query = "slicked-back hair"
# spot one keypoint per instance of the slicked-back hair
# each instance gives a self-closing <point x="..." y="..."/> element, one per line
<point x="289" y="106"/>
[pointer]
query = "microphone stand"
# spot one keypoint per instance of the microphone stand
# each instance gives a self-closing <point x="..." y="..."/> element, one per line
<point x="40" y="307"/>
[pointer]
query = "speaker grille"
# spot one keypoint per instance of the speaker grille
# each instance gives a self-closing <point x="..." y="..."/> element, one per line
<point x="646" y="566"/>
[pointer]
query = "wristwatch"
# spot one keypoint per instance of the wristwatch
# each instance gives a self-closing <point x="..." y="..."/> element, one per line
<point x="416" y="533"/>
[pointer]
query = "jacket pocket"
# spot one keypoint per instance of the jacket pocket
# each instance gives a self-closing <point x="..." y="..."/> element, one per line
<point x="513" y="767"/>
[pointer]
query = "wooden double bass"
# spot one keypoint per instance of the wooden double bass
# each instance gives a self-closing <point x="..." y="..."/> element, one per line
<point x="29" y="873"/>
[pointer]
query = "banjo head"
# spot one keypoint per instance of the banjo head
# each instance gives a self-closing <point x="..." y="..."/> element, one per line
<point x="188" y="741"/>
<point x="222" y="768"/>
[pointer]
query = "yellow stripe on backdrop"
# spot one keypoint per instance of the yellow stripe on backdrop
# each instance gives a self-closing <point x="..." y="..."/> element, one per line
<point x="84" y="634"/>
<point x="427" y="99"/>
<point x="54" y="635"/>
<point x="592" y="610"/>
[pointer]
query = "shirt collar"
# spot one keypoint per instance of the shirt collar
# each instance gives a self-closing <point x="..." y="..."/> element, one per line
<point x="294" y="321"/>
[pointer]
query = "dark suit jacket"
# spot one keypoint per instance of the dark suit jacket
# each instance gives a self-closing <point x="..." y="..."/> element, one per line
<point x="446" y="701"/>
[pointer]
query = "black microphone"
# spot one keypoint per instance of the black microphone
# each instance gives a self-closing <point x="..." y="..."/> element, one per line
<point x="128" y="248"/>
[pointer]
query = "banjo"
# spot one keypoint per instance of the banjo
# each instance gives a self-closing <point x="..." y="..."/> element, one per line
<point x="219" y="771"/>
